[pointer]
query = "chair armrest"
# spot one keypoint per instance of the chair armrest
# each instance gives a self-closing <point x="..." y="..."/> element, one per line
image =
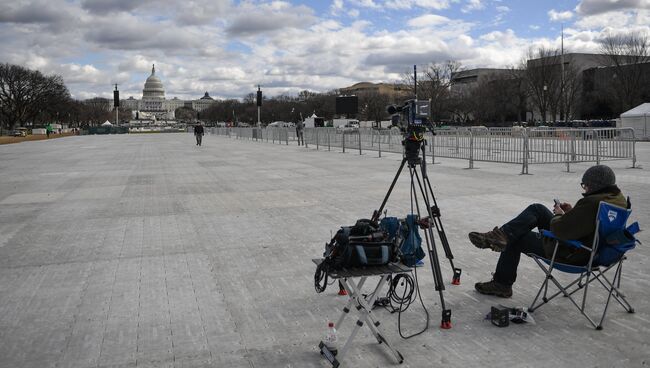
<point x="634" y="228"/>
<point x="571" y="243"/>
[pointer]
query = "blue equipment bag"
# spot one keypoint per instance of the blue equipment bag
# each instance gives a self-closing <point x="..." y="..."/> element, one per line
<point x="412" y="246"/>
<point x="406" y="236"/>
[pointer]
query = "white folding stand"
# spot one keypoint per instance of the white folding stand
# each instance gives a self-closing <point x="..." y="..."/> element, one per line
<point x="363" y="305"/>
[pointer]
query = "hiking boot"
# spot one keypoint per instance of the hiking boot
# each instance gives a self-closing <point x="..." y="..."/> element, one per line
<point x="495" y="239"/>
<point x="494" y="288"/>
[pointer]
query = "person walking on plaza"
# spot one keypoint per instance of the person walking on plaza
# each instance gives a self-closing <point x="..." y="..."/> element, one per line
<point x="300" y="127"/>
<point x="198" y="133"/>
<point x="48" y="129"/>
<point x="566" y="222"/>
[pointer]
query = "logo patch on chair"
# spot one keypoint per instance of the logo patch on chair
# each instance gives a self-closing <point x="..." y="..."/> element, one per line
<point x="611" y="215"/>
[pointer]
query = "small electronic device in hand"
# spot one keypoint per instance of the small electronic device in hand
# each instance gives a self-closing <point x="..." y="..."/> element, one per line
<point x="557" y="202"/>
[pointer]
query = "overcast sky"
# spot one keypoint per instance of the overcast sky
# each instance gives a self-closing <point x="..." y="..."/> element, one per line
<point x="227" y="47"/>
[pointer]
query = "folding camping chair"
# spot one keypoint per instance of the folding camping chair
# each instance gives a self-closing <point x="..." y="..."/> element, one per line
<point x="612" y="240"/>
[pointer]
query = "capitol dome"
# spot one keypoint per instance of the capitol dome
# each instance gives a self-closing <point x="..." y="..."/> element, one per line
<point x="153" y="87"/>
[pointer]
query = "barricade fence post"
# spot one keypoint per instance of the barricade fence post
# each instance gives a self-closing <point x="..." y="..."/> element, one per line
<point x="633" y="151"/>
<point x="329" y="148"/>
<point x="524" y="167"/>
<point x="379" y="142"/>
<point x="359" y="135"/>
<point x="433" y="151"/>
<point x="471" y="150"/>
<point x="597" y="141"/>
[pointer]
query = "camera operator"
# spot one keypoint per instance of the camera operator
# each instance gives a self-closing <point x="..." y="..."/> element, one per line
<point x="566" y="222"/>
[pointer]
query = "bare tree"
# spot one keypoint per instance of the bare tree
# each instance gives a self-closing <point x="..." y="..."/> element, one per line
<point x="627" y="53"/>
<point x="462" y="105"/>
<point x="543" y="78"/>
<point x="571" y="85"/>
<point x="373" y="106"/>
<point x="26" y="95"/>
<point x="520" y="91"/>
<point x="434" y="84"/>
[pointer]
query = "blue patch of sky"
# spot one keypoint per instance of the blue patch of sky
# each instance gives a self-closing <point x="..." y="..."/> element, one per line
<point x="96" y="59"/>
<point x="525" y="18"/>
<point x="239" y="47"/>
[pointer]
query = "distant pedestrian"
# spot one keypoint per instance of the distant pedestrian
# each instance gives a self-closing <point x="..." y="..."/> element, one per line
<point x="300" y="127"/>
<point x="198" y="133"/>
<point x="48" y="129"/>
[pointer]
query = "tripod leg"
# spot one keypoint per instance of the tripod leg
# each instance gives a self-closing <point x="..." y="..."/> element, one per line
<point x="433" y="253"/>
<point x="377" y="213"/>
<point x="435" y="210"/>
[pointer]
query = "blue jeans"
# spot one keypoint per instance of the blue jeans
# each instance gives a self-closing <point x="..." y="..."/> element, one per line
<point x="521" y="239"/>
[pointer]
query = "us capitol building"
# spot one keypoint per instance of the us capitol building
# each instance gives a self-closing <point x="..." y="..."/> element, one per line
<point x="154" y="105"/>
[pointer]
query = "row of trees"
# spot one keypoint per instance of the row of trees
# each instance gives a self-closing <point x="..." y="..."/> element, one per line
<point x="546" y="83"/>
<point x="280" y="108"/>
<point x="28" y="95"/>
<point x="30" y="98"/>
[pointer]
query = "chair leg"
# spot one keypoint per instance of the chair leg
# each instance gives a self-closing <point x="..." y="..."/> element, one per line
<point x="616" y="292"/>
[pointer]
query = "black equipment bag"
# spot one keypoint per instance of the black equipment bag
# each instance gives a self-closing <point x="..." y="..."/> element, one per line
<point x="361" y="245"/>
<point x="364" y="244"/>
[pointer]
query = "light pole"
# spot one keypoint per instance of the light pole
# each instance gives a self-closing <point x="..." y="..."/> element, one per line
<point x="544" y="104"/>
<point x="116" y="105"/>
<point x="259" y="106"/>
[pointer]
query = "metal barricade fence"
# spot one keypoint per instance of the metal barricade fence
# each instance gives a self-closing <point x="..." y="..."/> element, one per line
<point x="524" y="146"/>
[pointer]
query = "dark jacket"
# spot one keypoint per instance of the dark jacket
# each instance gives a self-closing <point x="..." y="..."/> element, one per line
<point x="198" y="130"/>
<point x="579" y="223"/>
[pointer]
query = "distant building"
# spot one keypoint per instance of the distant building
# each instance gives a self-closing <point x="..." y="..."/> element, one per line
<point x="464" y="80"/>
<point x="587" y="89"/>
<point x="153" y="102"/>
<point x="394" y="91"/>
<point x="202" y="103"/>
<point x="598" y="100"/>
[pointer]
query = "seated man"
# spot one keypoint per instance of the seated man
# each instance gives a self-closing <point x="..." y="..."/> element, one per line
<point x="567" y="222"/>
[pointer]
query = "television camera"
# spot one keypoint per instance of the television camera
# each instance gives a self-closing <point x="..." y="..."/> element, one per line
<point x="412" y="119"/>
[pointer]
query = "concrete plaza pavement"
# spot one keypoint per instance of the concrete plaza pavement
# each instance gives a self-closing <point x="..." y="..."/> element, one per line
<point x="146" y="250"/>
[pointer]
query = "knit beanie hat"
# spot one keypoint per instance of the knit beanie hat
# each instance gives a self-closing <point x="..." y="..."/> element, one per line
<point x="598" y="177"/>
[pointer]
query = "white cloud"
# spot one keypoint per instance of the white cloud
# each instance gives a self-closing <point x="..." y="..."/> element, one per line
<point x="409" y="4"/>
<point x="609" y="19"/>
<point x="228" y="47"/>
<point x="336" y="7"/>
<point x="559" y="16"/>
<point x="472" y="5"/>
<point x="365" y="3"/>
<point x="594" y="7"/>
<point x="428" y="20"/>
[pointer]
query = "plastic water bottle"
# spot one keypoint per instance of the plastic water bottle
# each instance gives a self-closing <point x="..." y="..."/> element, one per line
<point x="331" y="339"/>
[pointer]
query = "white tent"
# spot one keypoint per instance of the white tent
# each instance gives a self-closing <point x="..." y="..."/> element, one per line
<point x="639" y="119"/>
<point x="313" y="121"/>
<point x="107" y="123"/>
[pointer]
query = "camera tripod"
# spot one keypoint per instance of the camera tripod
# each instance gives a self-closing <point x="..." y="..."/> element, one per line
<point x="412" y="150"/>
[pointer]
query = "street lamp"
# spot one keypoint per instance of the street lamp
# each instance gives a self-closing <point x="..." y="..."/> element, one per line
<point x="544" y="104"/>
